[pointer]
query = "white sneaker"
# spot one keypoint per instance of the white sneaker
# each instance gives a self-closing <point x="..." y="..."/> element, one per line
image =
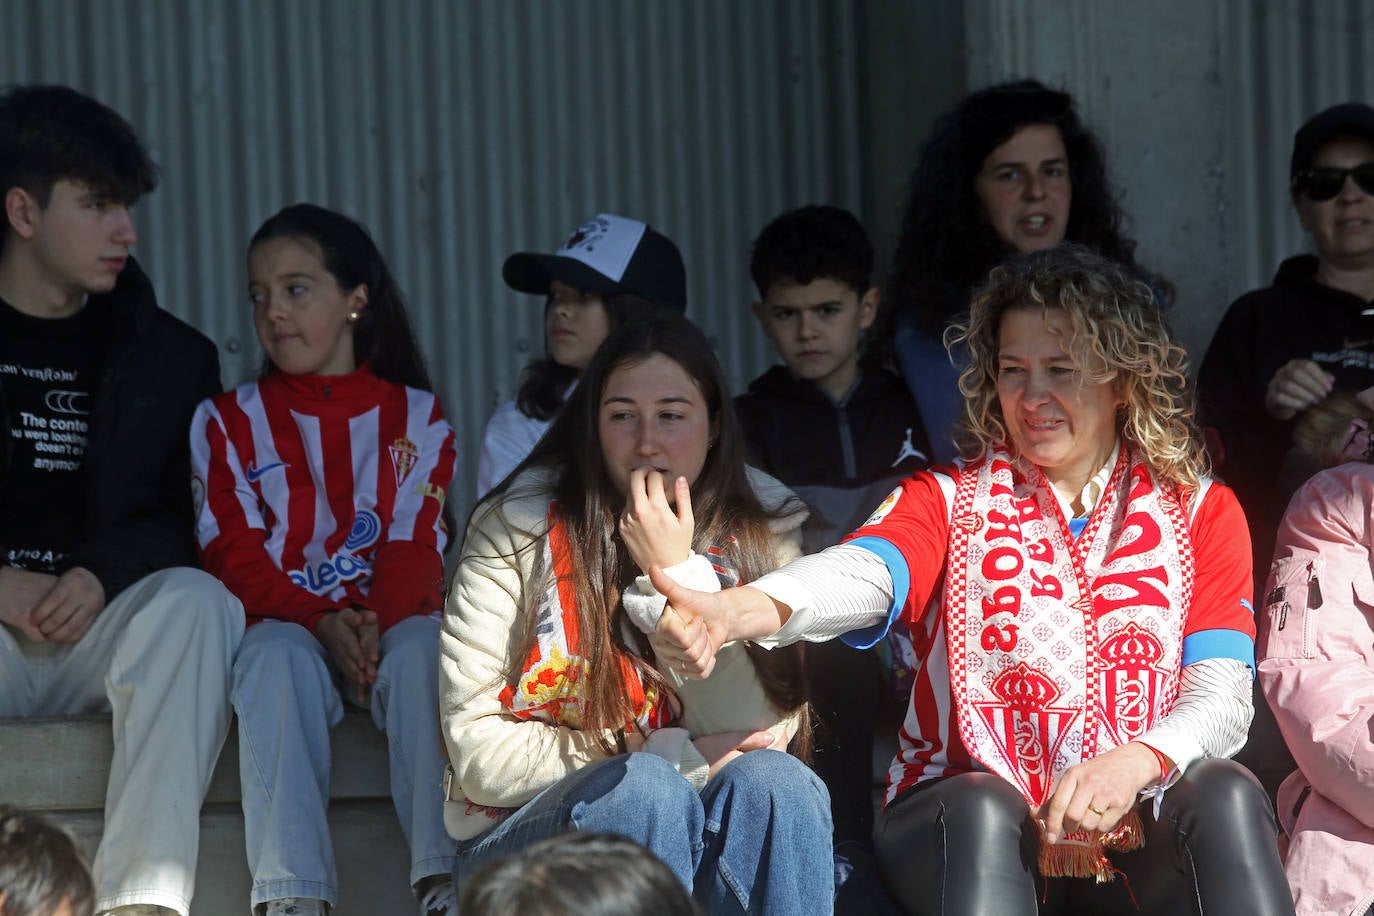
<point x="440" y="900"/>
<point x="296" y="906"/>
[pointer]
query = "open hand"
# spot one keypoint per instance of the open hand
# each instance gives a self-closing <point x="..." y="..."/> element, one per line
<point x="654" y="534"/>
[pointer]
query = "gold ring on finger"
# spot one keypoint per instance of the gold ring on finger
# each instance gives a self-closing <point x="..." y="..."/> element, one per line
<point x="1096" y="811"/>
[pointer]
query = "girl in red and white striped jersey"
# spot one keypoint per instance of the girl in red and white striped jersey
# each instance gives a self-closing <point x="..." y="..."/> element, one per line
<point x="320" y="490"/>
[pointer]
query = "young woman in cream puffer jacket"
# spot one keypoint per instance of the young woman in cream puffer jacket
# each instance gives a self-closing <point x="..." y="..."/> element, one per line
<point x="557" y="712"/>
<point x="500" y="761"/>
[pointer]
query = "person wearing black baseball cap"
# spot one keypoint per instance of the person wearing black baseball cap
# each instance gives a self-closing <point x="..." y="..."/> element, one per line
<point x="1281" y="349"/>
<point x="610" y="269"/>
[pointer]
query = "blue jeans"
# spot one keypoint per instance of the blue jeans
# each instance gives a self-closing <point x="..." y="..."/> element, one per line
<point x="287" y="699"/>
<point x="755" y="840"/>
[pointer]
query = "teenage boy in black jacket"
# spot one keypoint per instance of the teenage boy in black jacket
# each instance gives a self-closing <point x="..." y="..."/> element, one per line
<point x="100" y="609"/>
<point x="842" y="437"/>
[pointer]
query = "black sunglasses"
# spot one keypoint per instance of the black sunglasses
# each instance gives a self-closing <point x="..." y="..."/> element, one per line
<point x="1326" y="183"/>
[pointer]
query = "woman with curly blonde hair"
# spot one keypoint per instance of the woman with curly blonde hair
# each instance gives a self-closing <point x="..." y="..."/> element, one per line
<point x="1114" y="335"/>
<point x="1078" y="593"/>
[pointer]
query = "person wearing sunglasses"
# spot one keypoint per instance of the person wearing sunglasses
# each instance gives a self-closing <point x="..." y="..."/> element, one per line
<point x="1281" y="349"/>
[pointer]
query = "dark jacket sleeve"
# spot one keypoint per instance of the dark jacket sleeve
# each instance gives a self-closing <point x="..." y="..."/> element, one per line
<point x="6" y="447"/>
<point x="1232" y="382"/>
<point x="139" y="466"/>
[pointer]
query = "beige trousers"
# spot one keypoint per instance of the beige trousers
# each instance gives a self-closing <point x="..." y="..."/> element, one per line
<point x="158" y="657"/>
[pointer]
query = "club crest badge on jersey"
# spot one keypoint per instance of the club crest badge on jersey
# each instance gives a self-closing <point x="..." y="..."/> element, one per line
<point x="404" y="454"/>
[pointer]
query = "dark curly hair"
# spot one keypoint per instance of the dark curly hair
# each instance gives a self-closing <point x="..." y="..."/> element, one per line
<point x="947" y="246"/>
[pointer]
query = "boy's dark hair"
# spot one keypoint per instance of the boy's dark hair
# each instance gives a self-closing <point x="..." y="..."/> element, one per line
<point x="40" y="867"/>
<point x="813" y="243"/>
<point x="50" y="133"/>
<point x="590" y="874"/>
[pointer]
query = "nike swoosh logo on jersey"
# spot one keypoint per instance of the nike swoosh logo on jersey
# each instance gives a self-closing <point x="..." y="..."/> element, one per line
<point x="254" y="473"/>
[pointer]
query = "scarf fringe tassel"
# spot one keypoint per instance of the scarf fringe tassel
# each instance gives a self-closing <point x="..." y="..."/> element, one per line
<point x="1075" y="859"/>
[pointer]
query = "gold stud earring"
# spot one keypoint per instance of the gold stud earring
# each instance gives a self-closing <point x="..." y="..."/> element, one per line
<point x="352" y="316"/>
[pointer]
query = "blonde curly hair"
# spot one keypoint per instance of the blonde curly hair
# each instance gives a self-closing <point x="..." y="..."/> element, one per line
<point x="1117" y="335"/>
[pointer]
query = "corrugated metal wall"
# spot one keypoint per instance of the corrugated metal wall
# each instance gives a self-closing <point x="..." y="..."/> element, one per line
<point x="463" y="131"/>
<point x="460" y="132"/>
<point x="1290" y="59"/>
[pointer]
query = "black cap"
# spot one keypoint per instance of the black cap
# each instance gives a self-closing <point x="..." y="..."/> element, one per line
<point x="606" y="254"/>
<point x="1350" y="118"/>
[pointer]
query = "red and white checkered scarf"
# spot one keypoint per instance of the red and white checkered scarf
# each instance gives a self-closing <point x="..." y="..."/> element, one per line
<point x="1063" y="648"/>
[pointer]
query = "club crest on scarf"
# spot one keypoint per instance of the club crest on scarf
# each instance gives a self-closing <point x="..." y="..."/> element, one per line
<point x="1061" y="648"/>
<point x="1025" y="725"/>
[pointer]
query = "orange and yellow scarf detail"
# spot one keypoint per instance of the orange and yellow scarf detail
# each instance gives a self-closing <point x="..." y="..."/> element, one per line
<point x="1063" y="648"/>
<point x="550" y="684"/>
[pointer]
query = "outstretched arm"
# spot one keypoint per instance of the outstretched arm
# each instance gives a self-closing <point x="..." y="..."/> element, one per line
<point x="856" y="588"/>
<point x="696" y="624"/>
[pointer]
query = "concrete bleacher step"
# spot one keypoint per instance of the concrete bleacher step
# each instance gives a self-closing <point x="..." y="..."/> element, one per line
<point x="60" y="766"/>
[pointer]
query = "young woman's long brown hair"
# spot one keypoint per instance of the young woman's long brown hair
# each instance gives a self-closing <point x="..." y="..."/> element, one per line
<point x="723" y="504"/>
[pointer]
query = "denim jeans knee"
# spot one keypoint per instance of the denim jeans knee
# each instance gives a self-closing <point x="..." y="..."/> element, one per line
<point x="638" y="796"/>
<point x="768" y="838"/>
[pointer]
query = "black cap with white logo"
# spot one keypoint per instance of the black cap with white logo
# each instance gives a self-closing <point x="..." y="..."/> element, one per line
<point x="606" y="254"/>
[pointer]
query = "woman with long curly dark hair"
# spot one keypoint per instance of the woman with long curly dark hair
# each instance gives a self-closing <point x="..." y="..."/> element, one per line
<point x="1010" y="169"/>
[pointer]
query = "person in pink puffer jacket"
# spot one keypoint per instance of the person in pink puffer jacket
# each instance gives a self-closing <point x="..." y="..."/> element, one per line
<point x="1317" y="670"/>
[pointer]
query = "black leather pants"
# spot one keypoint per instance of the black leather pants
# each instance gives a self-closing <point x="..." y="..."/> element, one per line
<point x="966" y="846"/>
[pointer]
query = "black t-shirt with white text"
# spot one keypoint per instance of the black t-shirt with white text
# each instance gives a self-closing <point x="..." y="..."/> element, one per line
<point x="48" y="371"/>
